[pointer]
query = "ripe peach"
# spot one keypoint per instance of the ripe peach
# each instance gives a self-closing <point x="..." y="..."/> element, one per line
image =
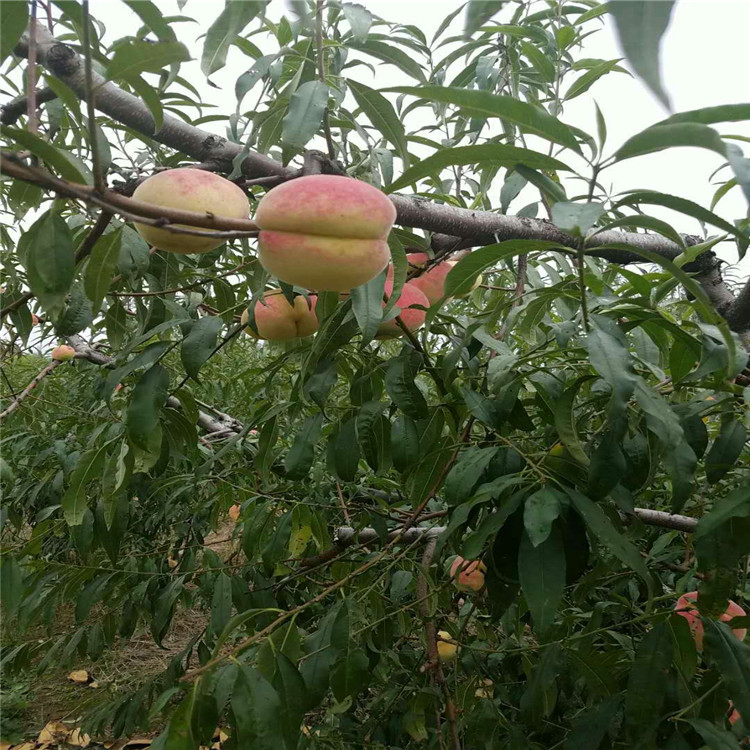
<point x="34" y="319"/>
<point x="412" y="317"/>
<point x="190" y="190"/>
<point x="234" y="512"/>
<point x="447" y="647"/>
<point x="63" y="353"/>
<point x="277" y="320"/>
<point x="432" y="281"/>
<point x="685" y="607"/>
<point x="324" y="232"/>
<point x="468" y="575"/>
<point x="734" y="714"/>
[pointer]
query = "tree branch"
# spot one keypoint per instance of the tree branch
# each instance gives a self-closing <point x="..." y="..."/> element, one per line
<point x="16" y="108"/>
<point x="19" y="399"/>
<point x="738" y="314"/>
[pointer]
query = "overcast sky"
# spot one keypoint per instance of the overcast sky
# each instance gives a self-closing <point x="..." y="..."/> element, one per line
<point x="705" y="62"/>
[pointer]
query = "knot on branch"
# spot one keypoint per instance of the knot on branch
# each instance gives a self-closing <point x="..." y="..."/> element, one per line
<point x="317" y="162"/>
<point x="62" y="60"/>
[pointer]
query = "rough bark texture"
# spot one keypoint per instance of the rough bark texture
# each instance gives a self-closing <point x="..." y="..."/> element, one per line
<point x="474" y="227"/>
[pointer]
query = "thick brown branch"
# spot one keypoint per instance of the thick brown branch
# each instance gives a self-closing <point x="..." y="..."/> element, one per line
<point x="17" y="108"/>
<point x="738" y="314"/>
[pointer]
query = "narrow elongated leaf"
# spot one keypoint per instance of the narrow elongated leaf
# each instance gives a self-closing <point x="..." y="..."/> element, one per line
<point x="541" y="571"/>
<point x="381" y="114"/>
<point x="300" y="457"/>
<point x="221" y="603"/>
<point x="601" y="527"/>
<point x="480" y="11"/>
<point x="714" y="737"/>
<point x="405" y="447"/>
<point x="199" y="343"/>
<point x="494" y="154"/>
<point x="14" y="17"/>
<point x="399" y="382"/>
<point x="138" y="56"/>
<point x="222" y="32"/>
<point x="256" y="706"/>
<point x="248" y="80"/>
<point x="149" y="396"/>
<point x="726" y="450"/>
<point x="350" y="675"/>
<point x="640" y="25"/>
<point x="367" y="303"/>
<point x="49" y="261"/>
<point x="305" y="114"/>
<point x="89" y="467"/>
<point x="647" y="685"/>
<point x="101" y="267"/>
<point x="710" y="115"/>
<point x="152" y="17"/>
<point x="290" y="687"/>
<point x="659" y="137"/>
<point x="467" y="473"/>
<point x="391" y="54"/>
<point x="483" y="104"/>
<point x="733" y="660"/>
<point x="424" y="482"/>
<point x="540" y="511"/>
<point x="589" y="78"/>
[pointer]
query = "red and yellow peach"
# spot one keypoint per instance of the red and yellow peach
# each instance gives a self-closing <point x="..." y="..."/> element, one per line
<point x="468" y="575"/>
<point x="686" y="607"/>
<point x="189" y="190"/>
<point x="277" y="320"/>
<point x="324" y="232"/>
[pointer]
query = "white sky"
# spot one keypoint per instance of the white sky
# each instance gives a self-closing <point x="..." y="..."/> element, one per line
<point x="705" y="62"/>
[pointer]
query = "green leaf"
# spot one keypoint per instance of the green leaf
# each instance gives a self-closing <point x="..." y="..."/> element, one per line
<point x="391" y="54"/>
<point x="381" y="114"/>
<point x="323" y="648"/>
<point x="74" y="503"/>
<point x="424" y="481"/>
<point x="151" y="99"/>
<point x="576" y="218"/>
<point x="405" y="446"/>
<point x="477" y="103"/>
<point x="350" y="675"/>
<point x="601" y="527"/>
<point x="136" y="56"/>
<point x="715" y="738"/>
<point x="541" y="62"/>
<point x="300" y="457"/>
<point x="77" y="313"/>
<point x="149" y="396"/>
<point x="345" y="450"/>
<point x="359" y="20"/>
<point x="741" y="168"/>
<point x="49" y="261"/>
<point x="732" y="657"/>
<point x="487" y="154"/>
<point x="589" y="78"/>
<point x="480" y="11"/>
<point x="14" y="18"/>
<point x="221" y="603"/>
<point x="541" y="571"/>
<point x="725" y="450"/>
<point x="462" y="276"/>
<point x="640" y="25"/>
<point x="305" y="114"/>
<point x="540" y="511"/>
<point x="592" y="725"/>
<point x="292" y="693"/>
<point x="710" y="115"/>
<point x="400" y="385"/>
<point x="683" y="206"/>
<point x="563" y="411"/>
<point x="152" y="18"/>
<point x="11" y="584"/>
<point x="659" y="137"/>
<point x="647" y="685"/>
<point x="367" y="304"/>
<point x="223" y="31"/>
<point x="101" y="266"/>
<point x="145" y="358"/>
<point x="199" y="344"/>
<point x="256" y="707"/>
<point x="248" y="80"/>
<point x="467" y="473"/>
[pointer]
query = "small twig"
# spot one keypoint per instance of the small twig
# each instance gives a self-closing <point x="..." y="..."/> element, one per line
<point x="435" y="665"/>
<point x="99" y="183"/>
<point x="518" y="292"/>
<point x="29" y="388"/>
<point x="31" y="78"/>
<point x="343" y="504"/>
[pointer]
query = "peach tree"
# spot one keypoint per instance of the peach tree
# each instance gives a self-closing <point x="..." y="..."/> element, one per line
<point x="474" y="461"/>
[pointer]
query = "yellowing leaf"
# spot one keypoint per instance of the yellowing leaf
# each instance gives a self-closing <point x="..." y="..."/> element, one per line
<point x="78" y="738"/>
<point x="52" y="733"/>
<point x="79" y="675"/>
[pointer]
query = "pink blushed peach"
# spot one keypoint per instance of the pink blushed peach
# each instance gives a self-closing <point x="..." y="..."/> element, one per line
<point x="189" y="190"/>
<point x="468" y="575"/>
<point x="686" y="607"/>
<point x="324" y="232"/>
<point x="277" y="320"/>
<point x="411" y="317"/>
